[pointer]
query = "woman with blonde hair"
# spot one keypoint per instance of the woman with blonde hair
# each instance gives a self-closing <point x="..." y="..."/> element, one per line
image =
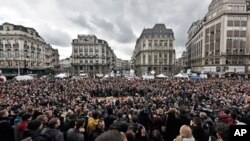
<point x="185" y="134"/>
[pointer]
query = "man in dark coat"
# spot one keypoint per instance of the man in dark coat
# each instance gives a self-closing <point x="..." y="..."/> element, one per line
<point x="6" y="130"/>
<point x="76" y="134"/>
<point x="110" y="118"/>
<point x="53" y="134"/>
<point x="33" y="131"/>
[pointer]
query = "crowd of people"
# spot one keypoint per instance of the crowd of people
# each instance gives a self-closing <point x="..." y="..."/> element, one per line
<point x="52" y="109"/>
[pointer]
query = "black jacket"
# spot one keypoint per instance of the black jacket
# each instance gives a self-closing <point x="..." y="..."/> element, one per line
<point x="74" y="135"/>
<point x="34" y="135"/>
<point x="6" y="130"/>
<point x="54" y="135"/>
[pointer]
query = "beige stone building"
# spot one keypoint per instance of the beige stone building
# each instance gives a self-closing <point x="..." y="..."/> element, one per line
<point x="23" y="50"/>
<point x="92" y="56"/>
<point x="154" y="50"/>
<point x="220" y="42"/>
<point x="122" y="65"/>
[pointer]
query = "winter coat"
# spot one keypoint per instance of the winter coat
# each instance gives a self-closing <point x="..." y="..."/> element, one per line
<point x="54" y="135"/>
<point x="6" y="130"/>
<point x="34" y="135"/>
<point x="74" y="135"/>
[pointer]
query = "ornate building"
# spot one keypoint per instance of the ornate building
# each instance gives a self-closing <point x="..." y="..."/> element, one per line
<point x="122" y="65"/>
<point x="154" y="50"/>
<point x="92" y="55"/>
<point x="23" y="50"/>
<point x="220" y="42"/>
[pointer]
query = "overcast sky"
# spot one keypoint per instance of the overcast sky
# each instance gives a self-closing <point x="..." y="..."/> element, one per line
<point x="119" y="22"/>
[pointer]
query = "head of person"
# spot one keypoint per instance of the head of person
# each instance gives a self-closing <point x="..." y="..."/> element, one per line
<point x="54" y="123"/>
<point x="111" y="135"/>
<point x="156" y="135"/>
<point x="186" y="131"/>
<point x="35" y="125"/>
<point x="203" y="115"/>
<point x="197" y="121"/>
<point x="95" y="115"/>
<point x="130" y="135"/>
<point x="79" y="123"/>
<point x="26" y="117"/>
<point x="222" y="131"/>
<point x="43" y="119"/>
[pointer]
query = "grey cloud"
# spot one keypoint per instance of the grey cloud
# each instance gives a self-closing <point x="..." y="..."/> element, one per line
<point x="125" y="33"/>
<point x="55" y="36"/>
<point x="81" y="21"/>
<point x="102" y="24"/>
<point x="116" y="21"/>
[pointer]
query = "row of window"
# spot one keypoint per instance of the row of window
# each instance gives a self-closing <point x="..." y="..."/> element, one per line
<point x="237" y="18"/>
<point x="17" y="55"/>
<point x="158" y="43"/>
<point x="236" y="23"/>
<point x="91" y="61"/>
<point x="212" y="61"/>
<point x="236" y="43"/>
<point x="235" y="51"/>
<point x="236" y="33"/>
<point x="241" y="8"/>
<point x="159" y="36"/>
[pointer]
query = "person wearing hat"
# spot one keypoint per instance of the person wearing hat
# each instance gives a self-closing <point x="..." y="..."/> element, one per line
<point x="33" y="131"/>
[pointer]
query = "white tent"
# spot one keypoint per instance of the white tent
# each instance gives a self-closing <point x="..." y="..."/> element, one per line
<point x="61" y="75"/>
<point x="179" y="75"/>
<point x="106" y="76"/>
<point x="23" y="77"/>
<point x="161" y="76"/>
<point x="99" y="75"/>
<point x="145" y="77"/>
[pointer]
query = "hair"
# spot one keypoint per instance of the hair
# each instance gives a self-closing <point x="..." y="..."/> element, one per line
<point x="42" y="118"/>
<point x="52" y="123"/>
<point x="186" y="131"/>
<point x="120" y="113"/>
<point x="203" y="115"/>
<point x="134" y="118"/>
<point x="226" y="111"/>
<point x="197" y="121"/>
<point x="34" y="125"/>
<point x="156" y="135"/>
<point x="130" y="135"/>
<point x="26" y="116"/>
<point x="79" y="123"/>
<point x="222" y="130"/>
<point x="95" y="115"/>
<point x="111" y="135"/>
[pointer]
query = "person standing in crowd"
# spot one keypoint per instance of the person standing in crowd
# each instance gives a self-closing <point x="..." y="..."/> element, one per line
<point x="33" y="131"/>
<point x="76" y="134"/>
<point x="53" y="133"/>
<point x="197" y="130"/>
<point x="110" y="118"/>
<point x="23" y="124"/>
<point x="172" y="125"/>
<point x="222" y="131"/>
<point x="111" y="135"/>
<point x="6" y="130"/>
<point x="185" y="134"/>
